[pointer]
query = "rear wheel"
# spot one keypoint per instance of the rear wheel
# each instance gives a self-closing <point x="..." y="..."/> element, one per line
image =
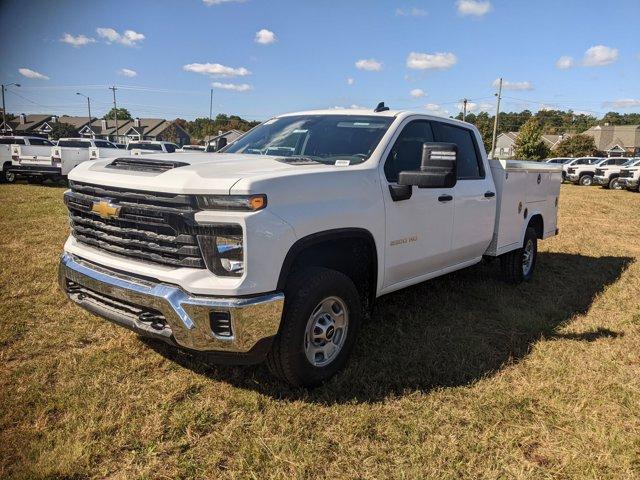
<point x="319" y="326"/>
<point x="586" y="180"/>
<point x="518" y="265"/>
<point x="614" y="184"/>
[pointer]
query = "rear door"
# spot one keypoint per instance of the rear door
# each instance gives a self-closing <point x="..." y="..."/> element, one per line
<point x="419" y="228"/>
<point x="474" y="194"/>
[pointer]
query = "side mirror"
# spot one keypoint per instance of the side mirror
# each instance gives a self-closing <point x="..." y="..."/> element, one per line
<point x="438" y="168"/>
<point x="222" y="142"/>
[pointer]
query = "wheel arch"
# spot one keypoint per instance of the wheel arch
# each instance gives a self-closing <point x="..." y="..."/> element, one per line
<point x="351" y="251"/>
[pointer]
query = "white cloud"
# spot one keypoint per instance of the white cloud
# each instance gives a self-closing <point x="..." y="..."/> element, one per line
<point x="599" y="56"/>
<point x="127" y="72"/>
<point x="506" y="85"/>
<point x="216" y="70"/>
<point x="565" y="62"/>
<point x="209" y="3"/>
<point x="26" y="72"/>
<point x="369" y="64"/>
<point x="265" y="37"/>
<point x="473" y="7"/>
<point x="129" y="38"/>
<point x="417" y="93"/>
<point x="429" y="61"/>
<point x="410" y="12"/>
<point x="235" y="87"/>
<point x="436" y="109"/>
<point x="471" y="106"/>
<point x="623" y="103"/>
<point x="350" y="81"/>
<point x="77" y="41"/>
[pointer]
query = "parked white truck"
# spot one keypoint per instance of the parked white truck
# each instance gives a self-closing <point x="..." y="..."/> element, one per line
<point x="607" y="174"/>
<point x="250" y="256"/>
<point x="629" y="177"/>
<point x="18" y="153"/>
<point x="144" y="147"/>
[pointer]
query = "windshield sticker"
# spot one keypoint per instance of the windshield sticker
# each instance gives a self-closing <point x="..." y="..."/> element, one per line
<point x="342" y="163"/>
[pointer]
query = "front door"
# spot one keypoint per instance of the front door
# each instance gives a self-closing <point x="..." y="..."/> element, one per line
<point x="418" y="229"/>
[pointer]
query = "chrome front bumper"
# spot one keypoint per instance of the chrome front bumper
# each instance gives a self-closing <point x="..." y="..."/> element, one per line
<point x="601" y="180"/>
<point x="168" y="313"/>
<point x="573" y="177"/>
<point x="627" y="182"/>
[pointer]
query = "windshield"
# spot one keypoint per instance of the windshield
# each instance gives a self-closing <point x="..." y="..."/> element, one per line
<point x="323" y="138"/>
<point x="631" y="162"/>
<point x="144" y="146"/>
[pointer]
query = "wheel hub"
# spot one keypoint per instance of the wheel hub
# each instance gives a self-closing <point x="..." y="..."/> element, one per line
<point x="527" y="257"/>
<point x="326" y="331"/>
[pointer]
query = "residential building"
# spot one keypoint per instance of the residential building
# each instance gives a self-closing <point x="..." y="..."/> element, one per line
<point x="506" y="144"/>
<point x="211" y="141"/>
<point x="137" y="129"/>
<point x="25" y="124"/>
<point x="44" y="129"/>
<point x="616" y="140"/>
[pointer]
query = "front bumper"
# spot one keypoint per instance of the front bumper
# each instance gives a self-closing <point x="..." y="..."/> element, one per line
<point x="573" y="177"/>
<point x="168" y="313"/>
<point x="600" y="180"/>
<point x="626" y="182"/>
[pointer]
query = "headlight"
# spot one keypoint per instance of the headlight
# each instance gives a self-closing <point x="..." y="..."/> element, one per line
<point x="232" y="202"/>
<point x="223" y="250"/>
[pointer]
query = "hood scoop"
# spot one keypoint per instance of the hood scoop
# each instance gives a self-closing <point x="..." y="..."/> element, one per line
<point x="144" y="164"/>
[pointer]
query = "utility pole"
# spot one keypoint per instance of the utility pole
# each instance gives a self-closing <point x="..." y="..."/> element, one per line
<point x="115" y="110"/>
<point x="464" y="109"/>
<point x="89" y="108"/>
<point x="4" y="108"/>
<point x="211" y="106"/>
<point x="495" y="120"/>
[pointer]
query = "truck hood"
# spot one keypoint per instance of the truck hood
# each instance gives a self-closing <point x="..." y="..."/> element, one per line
<point x="202" y="173"/>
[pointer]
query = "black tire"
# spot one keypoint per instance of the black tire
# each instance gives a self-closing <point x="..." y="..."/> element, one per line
<point x="305" y="290"/>
<point x="7" y="177"/>
<point x="586" y="180"/>
<point x="512" y="263"/>
<point x="614" y="184"/>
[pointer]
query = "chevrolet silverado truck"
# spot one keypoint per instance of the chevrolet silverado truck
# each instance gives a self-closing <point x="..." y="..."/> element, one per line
<point x="18" y="153"/>
<point x="606" y="174"/>
<point x="253" y="256"/>
<point x="582" y="170"/>
<point x="629" y="177"/>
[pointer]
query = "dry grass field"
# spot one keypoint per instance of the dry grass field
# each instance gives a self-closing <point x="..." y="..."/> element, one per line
<point x="460" y="377"/>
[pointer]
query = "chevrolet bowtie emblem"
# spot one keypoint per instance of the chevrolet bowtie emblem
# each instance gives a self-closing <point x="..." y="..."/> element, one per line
<point x="105" y="209"/>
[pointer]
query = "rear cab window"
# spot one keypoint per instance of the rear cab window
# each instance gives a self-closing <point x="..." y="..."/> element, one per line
<point x="469" y="162"/>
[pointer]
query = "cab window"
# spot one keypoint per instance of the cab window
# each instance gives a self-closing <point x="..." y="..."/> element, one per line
<point x="406" y="153"/>
<point x="469" y="159"/>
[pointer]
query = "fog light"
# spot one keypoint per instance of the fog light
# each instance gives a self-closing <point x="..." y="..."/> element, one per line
<point x="221" y="324"/>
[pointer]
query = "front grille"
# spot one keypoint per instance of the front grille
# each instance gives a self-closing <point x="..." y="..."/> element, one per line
<point x="154" y="227"/>
<point x="599" y="171"/>
<point x="148" y="317"/>
<point x="571" y="170"/>
<point x="626" y="173"/>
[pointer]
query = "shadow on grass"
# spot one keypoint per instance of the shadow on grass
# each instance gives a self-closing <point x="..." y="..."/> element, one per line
<point x="447" y="332"/>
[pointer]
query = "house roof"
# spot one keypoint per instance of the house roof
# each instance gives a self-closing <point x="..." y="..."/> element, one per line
<point x="228" y="133"/>
<point x="31" y="121"/>
<point x="608" y="136"/>
<point x="77" y="122"/>
<point x="110" y="129"/>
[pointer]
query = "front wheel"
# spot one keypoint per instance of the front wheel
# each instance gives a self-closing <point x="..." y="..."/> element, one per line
<point x="7" y="176"/>
<point x="321" y="320"/>
<point x="586" y="180"/>
<point x="614" y="184"/>
<point x="518" y="265"/>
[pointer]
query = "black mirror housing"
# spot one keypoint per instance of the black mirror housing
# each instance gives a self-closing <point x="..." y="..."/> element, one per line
<point x="438" y="167"/>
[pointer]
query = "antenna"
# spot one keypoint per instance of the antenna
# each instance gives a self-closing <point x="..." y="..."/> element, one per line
<point x="381" y="108"/>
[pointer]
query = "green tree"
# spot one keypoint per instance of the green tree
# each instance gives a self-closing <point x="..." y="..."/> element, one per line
<point x="62" y="130"/>
<point x="529" y="144"/>
<point x="576" y="146"/>
<point x="122" y="114"/>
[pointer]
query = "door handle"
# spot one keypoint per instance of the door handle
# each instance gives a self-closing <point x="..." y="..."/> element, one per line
<point x="489" y="194"/>
<point x="445" y="198"/>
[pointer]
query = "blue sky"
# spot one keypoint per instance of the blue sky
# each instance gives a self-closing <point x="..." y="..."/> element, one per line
<point x="422" y="55"/>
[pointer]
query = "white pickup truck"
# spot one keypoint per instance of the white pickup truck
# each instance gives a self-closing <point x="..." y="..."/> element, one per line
<point x="606" y="174"/>
<point x="144" y="147"/>
<point x="58" y="160"/>
<point x="582" y="170"/>
<point x="18" y="153"/>
<point x="250" y="256"/>
<point x="629" y="176"/>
